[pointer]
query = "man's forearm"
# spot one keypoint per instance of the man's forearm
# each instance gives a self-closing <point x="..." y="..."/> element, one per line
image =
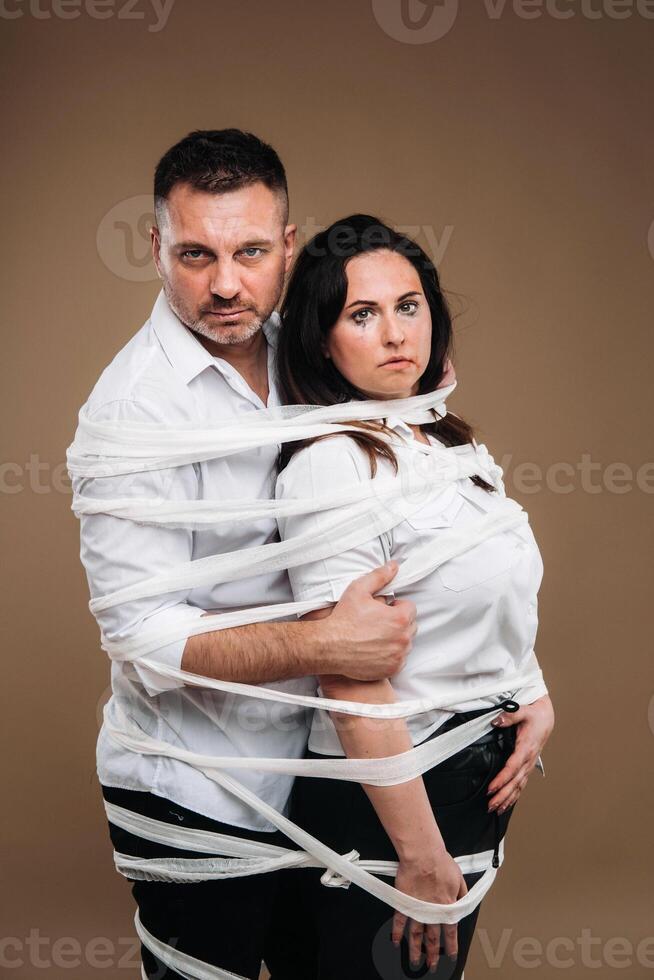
<point x="259" y="652"/>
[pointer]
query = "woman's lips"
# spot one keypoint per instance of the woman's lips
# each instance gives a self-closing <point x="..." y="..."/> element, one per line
<point x="397" y="365"/>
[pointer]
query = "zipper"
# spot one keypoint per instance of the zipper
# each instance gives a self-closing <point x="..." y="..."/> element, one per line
<point x="496" y="852"/>
<point x="510" y="705"/>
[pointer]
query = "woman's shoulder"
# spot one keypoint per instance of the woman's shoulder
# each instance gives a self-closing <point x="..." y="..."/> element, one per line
<point x="332" y="462"/>
<point x="493" y="472"/>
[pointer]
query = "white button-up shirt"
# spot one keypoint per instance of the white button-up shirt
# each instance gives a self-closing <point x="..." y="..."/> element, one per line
<point x="476" y="614"/>
<point x="165" y="375"/>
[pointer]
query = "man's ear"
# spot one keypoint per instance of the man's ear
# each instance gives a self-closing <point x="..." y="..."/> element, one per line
<point x="290" y="236"/>
<point x="155" y="239"/>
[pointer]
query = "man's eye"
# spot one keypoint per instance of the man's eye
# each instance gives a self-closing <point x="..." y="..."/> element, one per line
<point x="193" y="253"/>
<point x="252" y="252"/>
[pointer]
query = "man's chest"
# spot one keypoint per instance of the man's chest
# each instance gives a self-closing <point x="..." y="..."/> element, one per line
<point x="230" y="484"/>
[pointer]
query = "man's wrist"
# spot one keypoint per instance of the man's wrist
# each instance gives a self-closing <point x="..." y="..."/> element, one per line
<point x="323" y="646"/>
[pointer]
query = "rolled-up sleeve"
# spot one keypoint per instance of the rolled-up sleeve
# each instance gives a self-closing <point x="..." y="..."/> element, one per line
<point x="116" y="552"/>
<point x="317" y="470"/>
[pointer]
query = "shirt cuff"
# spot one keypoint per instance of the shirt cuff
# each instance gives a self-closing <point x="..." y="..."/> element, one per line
<point x="169" y="655"/>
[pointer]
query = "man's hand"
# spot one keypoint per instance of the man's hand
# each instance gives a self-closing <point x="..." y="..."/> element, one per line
<point x="363" y="637"/>
<point x="535" y="723"/>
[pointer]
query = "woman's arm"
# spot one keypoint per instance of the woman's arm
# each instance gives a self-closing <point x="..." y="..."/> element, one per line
<point x="426" y="869"/>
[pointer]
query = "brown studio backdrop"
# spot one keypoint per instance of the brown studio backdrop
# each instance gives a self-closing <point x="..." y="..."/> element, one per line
<point x="523" y="144"/>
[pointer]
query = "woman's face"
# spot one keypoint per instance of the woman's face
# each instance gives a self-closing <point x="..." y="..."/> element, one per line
<point x="381" y="342"/>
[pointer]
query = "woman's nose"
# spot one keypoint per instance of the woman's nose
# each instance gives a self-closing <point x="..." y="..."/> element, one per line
<point x="392" y="332"/>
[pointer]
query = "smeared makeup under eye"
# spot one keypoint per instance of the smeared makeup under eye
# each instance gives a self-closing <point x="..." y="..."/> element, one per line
<point x="364" y="320"/>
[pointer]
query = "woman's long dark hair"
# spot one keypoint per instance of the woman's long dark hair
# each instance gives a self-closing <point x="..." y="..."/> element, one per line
<point x="315" y="297"/>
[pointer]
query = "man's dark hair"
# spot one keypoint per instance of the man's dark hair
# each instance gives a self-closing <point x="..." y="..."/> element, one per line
<point x="219" y="160"/>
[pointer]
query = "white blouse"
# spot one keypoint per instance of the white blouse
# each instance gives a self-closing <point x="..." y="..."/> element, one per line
<point x="476" y="613"/>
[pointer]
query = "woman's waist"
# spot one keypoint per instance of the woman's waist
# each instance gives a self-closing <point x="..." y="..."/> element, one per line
<point x="474" y="682"/>
<point x="325" y="744"/>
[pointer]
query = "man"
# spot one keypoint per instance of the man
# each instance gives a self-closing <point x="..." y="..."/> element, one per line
<point x="222" y="246"/>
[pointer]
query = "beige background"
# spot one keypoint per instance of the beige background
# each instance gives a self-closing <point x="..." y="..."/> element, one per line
<point x="522" y="149"/>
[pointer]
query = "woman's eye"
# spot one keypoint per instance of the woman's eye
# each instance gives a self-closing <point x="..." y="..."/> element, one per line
<point x="409" y="307"/>
<point x="360" y="316"/>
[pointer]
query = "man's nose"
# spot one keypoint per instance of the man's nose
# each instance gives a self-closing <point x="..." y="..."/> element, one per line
<point x="225" y="281"/>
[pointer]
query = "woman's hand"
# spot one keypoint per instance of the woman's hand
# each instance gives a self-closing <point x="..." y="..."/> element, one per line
<point x="431" y="879"/>
<point x="534" y="726"/>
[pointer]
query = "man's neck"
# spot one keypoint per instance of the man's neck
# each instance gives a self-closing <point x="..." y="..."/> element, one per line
<point x="250" y="359"/>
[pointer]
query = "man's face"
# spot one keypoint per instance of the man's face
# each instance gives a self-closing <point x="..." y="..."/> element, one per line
<point x="223" y="258"/>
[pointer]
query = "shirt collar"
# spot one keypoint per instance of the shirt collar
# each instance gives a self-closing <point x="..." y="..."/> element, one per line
<point x="271" y="328"/>
<point x="399" y="425"/>
<point x="184" y="351"/>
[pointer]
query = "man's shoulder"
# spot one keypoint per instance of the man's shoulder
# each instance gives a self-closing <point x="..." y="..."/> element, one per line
<point x="138" y="382"/>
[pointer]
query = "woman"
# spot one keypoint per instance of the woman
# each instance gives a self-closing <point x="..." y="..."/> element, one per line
<point x="364" y="318"/>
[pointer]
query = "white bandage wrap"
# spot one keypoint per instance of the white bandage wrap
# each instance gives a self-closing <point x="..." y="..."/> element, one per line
<point x="188" y="967"/>
<point x="103" y="449"/>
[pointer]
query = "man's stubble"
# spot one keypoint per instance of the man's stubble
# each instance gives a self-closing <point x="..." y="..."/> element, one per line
<point x="219" y="335"/>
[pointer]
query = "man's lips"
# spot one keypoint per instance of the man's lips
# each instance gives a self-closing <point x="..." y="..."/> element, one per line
<point x="225" y="314"/>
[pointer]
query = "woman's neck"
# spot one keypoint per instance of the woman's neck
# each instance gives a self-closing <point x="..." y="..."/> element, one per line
<point x="419" y="434"/>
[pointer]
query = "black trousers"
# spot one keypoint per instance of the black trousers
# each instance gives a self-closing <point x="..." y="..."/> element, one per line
<point x="225" y="923"/>
<point x="346" y="933"/>
<point x="300" y="928"/>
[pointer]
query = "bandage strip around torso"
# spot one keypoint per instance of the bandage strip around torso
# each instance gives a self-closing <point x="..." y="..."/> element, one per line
<point x="104" y="449"/>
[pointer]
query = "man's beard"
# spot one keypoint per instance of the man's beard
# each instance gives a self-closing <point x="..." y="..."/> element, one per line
<point x="236" y="334"/>
<point x="227" y="335"/>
